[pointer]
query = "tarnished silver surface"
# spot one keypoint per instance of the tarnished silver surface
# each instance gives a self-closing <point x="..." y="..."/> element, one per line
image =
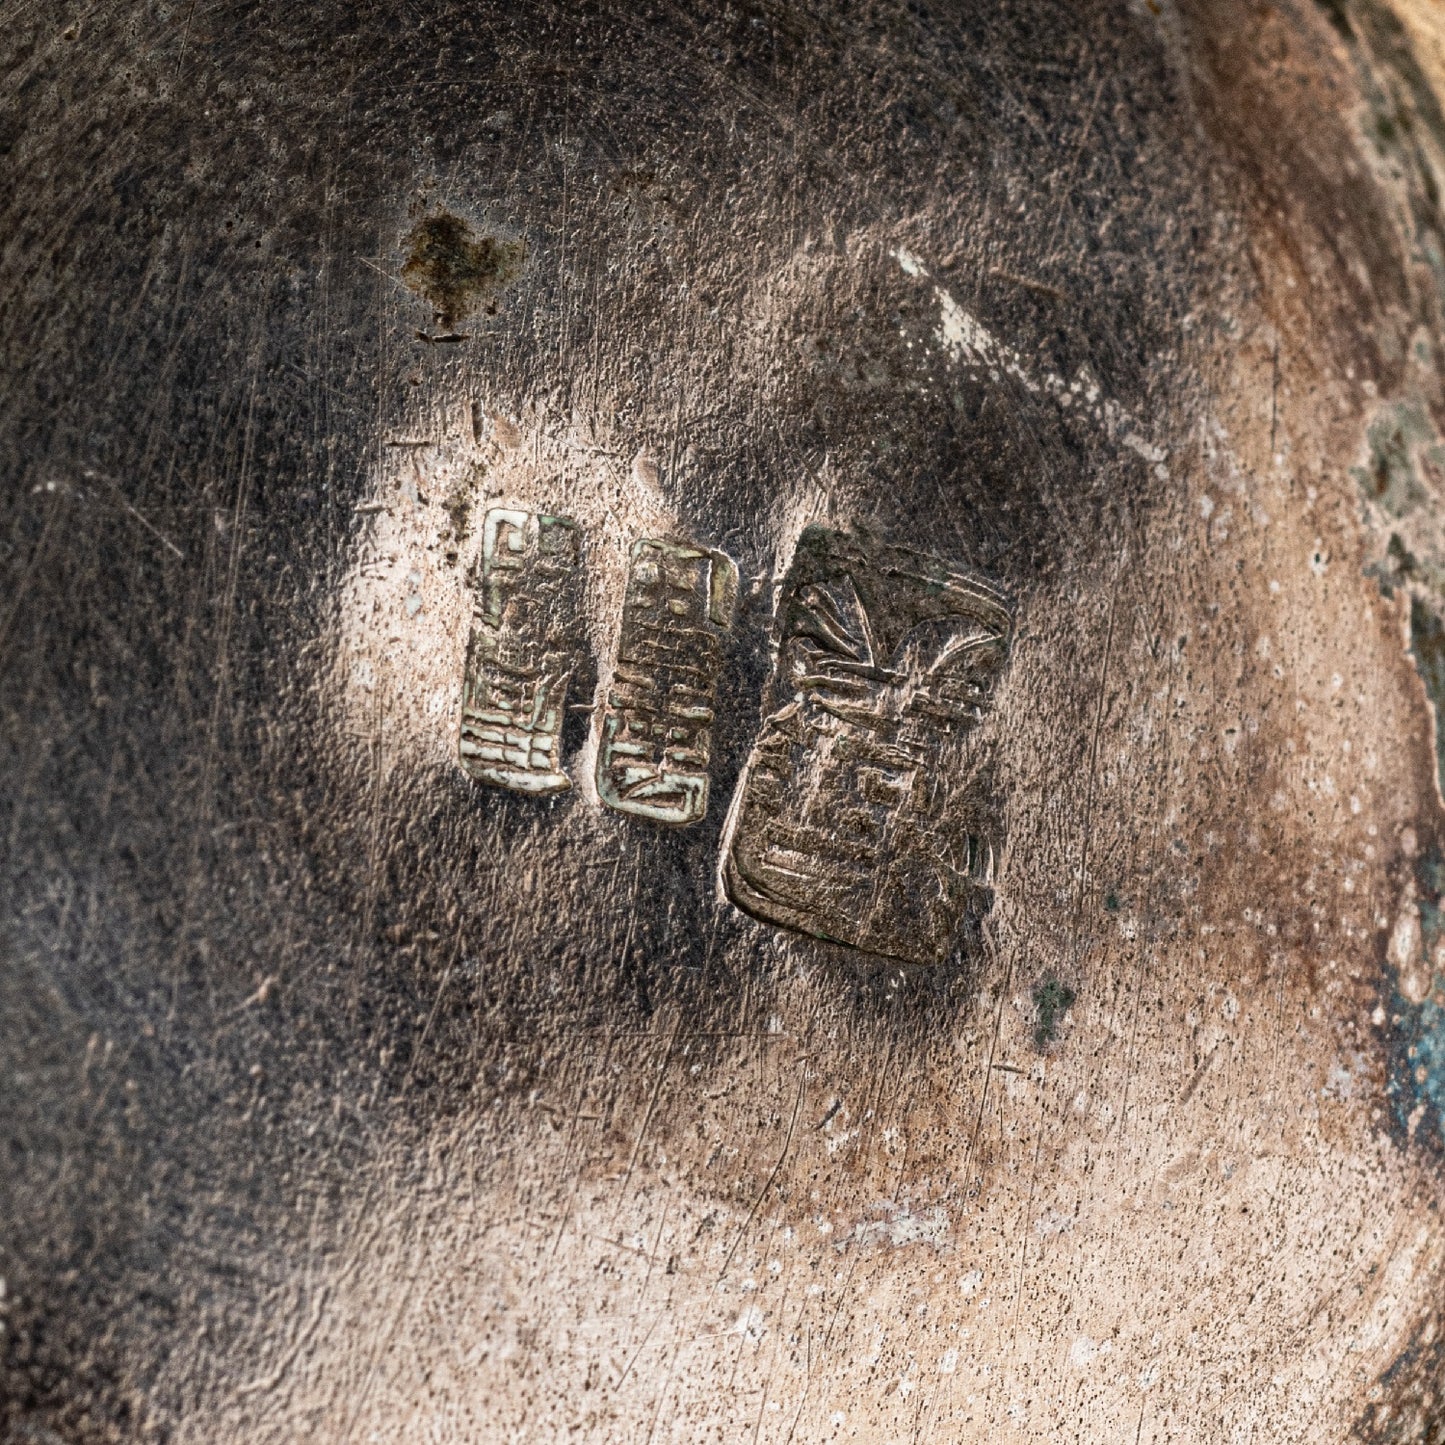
<point x="1063" y="382"/>
<point x="656" y="745"/>
<point x="526" y="639"/>
<point x="863" y="814"/>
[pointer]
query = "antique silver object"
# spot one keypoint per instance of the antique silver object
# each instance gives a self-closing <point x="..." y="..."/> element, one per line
<point x="722" y="722"/>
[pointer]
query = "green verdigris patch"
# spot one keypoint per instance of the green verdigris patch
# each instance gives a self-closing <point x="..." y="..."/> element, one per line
<point x="1405" y="458"/>
<point x="454" y="269"/>
<point x="1402" y="482"/>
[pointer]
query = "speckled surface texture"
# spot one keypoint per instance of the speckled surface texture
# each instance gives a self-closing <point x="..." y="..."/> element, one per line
<point x="343" y="1098"/>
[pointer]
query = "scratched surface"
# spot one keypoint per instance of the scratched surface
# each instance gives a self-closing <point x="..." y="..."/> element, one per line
<point x="655" y="754"/>
<point x="345" y="1097"/>
<point x="526" y="636"/>
<point x="863" y="816"/>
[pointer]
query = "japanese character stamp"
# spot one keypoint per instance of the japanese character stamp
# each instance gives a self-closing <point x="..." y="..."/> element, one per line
<point x="526" y="642"/>
<point x="863" y="813"/>
<point x="657" y="730"/>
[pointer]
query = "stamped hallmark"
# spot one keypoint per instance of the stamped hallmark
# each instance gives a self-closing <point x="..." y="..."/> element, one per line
<point x="657" y="731"/>
<point x="863" y="814"/>
<point x="525" y="644"/>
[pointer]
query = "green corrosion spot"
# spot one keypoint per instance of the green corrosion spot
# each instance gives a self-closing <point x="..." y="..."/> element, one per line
<point x="1401" y="483"/>
<point x="1053" y="1000"/>
<point x="456" y="270"/>
<point x="1400" y="439"/>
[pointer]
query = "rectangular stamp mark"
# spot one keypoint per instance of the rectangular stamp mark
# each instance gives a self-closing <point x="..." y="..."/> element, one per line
<point x="863" y="814"/>
<point x="657" y="731"/>
<point x="525" y="644"/>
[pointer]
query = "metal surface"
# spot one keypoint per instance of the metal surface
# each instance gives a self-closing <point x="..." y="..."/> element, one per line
<point x="524" y="647"/>
<point x="346" y="1096"/>
<point x="863" y="815"/>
